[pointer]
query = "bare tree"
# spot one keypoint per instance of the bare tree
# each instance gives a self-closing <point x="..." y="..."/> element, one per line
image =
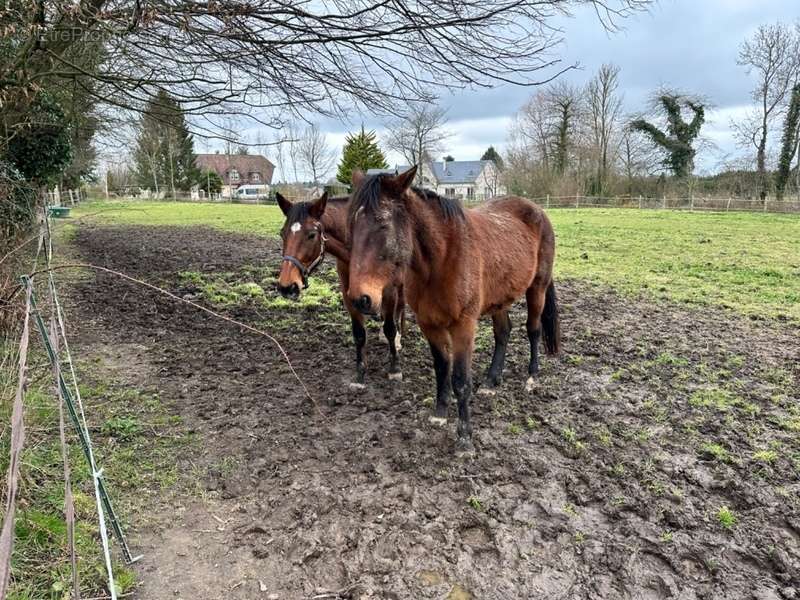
<point x="419" y="135"/>
<point x="638" y="157"/>
<point x="604" y="108"/>
<point x="772" y="54"/>
<point x="533" y="128"/>
<point x="270" y="58"/>
<point x="315" y="153"/>
<point x="564" y="102"/>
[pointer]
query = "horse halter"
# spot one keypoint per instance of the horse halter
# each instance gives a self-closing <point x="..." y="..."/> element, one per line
<point x="306" y="271"/>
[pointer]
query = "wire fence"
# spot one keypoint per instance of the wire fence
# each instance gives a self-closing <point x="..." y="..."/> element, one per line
<point x="699" y="203"/>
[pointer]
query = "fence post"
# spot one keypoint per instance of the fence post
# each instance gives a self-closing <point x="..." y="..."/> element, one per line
<point x="548" y="200"/>
<point x="691" y="203"/>
<point x="665" y="201"/>
<point x="765" y="204"/>
<point x="577" y="201"/>
<point x="728" y="205"/>
<point x="640" y="202"/>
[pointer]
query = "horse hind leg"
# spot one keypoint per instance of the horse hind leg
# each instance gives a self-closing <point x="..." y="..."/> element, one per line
<point x="542" y="318"/>
<point x="502" y="330"/>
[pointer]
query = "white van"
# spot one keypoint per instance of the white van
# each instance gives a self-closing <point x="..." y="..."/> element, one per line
<point x="252" y="192"/>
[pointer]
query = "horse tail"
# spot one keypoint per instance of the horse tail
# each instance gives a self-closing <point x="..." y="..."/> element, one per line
<point x="551" y="327"/>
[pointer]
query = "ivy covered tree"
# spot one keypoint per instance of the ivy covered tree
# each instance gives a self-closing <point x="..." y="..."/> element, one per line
<point x="361" y="152"/>
<point x="493" y="155"/>
<point x="789" y="142"/>
<point x="164" y="155"/>
<point x="678" y="138"/>
<point x="40" y="148"/>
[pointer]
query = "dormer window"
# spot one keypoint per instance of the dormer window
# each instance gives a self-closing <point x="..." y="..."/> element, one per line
<point x="255" y="177"/>
<point x="233" y="175"/>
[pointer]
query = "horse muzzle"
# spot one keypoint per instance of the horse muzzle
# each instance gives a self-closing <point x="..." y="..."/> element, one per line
<point x="291" y="291"/>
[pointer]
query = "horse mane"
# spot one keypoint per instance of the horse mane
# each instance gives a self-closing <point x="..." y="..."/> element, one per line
<point x="299" y="210"/>
<point x="368" y="197"/>
<point x="450" y="208"/>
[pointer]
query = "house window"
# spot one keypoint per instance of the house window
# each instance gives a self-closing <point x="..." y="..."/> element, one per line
<point x="470" y="193"/>
<point x="233" y="175"/>
<point x="450" y="192"/>
<point x="255" y="177"/>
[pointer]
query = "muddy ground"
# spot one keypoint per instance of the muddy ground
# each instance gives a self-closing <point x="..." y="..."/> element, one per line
<point x="606" y="482"/>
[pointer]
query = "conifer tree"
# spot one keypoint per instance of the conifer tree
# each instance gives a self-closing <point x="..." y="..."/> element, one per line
<point x="164" y="156"/>
<point x="361" y="151"/>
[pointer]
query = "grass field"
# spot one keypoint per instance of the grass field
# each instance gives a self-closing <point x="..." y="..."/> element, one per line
<point x="748" y="262"/>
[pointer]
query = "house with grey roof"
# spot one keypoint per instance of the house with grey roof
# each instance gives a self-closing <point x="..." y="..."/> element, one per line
<point x="467" y="180"/>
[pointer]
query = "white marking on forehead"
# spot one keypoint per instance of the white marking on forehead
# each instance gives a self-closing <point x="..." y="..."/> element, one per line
<point x="296" y="227"/>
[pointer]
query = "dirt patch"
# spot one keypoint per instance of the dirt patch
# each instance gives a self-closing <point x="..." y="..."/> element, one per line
<point x="608" y="481"/>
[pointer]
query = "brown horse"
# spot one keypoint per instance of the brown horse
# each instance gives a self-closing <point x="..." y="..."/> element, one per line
<point x="313" y="229"/>
<point x="456" y="265"/>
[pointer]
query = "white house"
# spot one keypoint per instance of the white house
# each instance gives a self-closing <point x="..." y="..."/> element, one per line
<point x="468" y="180"/>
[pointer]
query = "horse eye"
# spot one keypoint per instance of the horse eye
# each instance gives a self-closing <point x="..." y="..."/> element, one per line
<point x="312" y="235"/>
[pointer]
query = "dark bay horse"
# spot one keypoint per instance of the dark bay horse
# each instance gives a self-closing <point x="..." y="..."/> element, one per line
<point x="313" y="229"/>
<point x="456" y="265"/>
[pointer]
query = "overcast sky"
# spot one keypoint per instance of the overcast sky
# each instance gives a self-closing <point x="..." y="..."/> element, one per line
<point x="688" y="44"/>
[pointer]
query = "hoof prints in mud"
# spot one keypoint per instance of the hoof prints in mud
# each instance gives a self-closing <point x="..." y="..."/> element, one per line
<point x="606" y="480"/>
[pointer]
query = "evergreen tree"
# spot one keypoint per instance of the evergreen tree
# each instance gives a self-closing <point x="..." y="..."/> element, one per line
<point x="361" y="151"/>
<point x="678" y="139"/>
<point x="789" y="142"/>
<point x="449" y="158"/>
<point x="494" y="155"/>
<point x="209" y="182"/>
<point x="164" y="156"/>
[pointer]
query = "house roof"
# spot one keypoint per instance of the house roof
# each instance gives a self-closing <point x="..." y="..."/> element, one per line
<point x="244" y="163"/>
<point x="458" y="171"/>
<point x="454" y="171"/>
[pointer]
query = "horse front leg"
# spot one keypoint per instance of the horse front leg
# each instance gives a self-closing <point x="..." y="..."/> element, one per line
<point x="357" y="324"/>
<point x="439" y="341"/>
<point x="463" y="340"/>
<point x="391" y="332"/>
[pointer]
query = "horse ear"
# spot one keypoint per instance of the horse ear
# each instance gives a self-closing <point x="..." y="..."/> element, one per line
<point x="318" y="206"/>
<point x="285" y="205"/>
<point x="404" y="180"/>
<point x="357" y="177"/>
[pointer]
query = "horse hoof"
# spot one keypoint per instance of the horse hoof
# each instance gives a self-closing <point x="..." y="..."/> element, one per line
<point x="530" y="385"/>
<point x="396" y="376"/>
<point x="465" y="449"/>
<point x="357" y="387"/>
<point x="484" y="391"/>
<point x="438" y="421"/>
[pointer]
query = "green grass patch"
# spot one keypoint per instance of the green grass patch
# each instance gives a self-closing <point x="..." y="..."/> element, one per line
<point x="726" y="517"/>
<point x="229" y="289"/>
<point x="238" y="218"/>
<point x="716" y="398"/>
<point x="716" y="451"/>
